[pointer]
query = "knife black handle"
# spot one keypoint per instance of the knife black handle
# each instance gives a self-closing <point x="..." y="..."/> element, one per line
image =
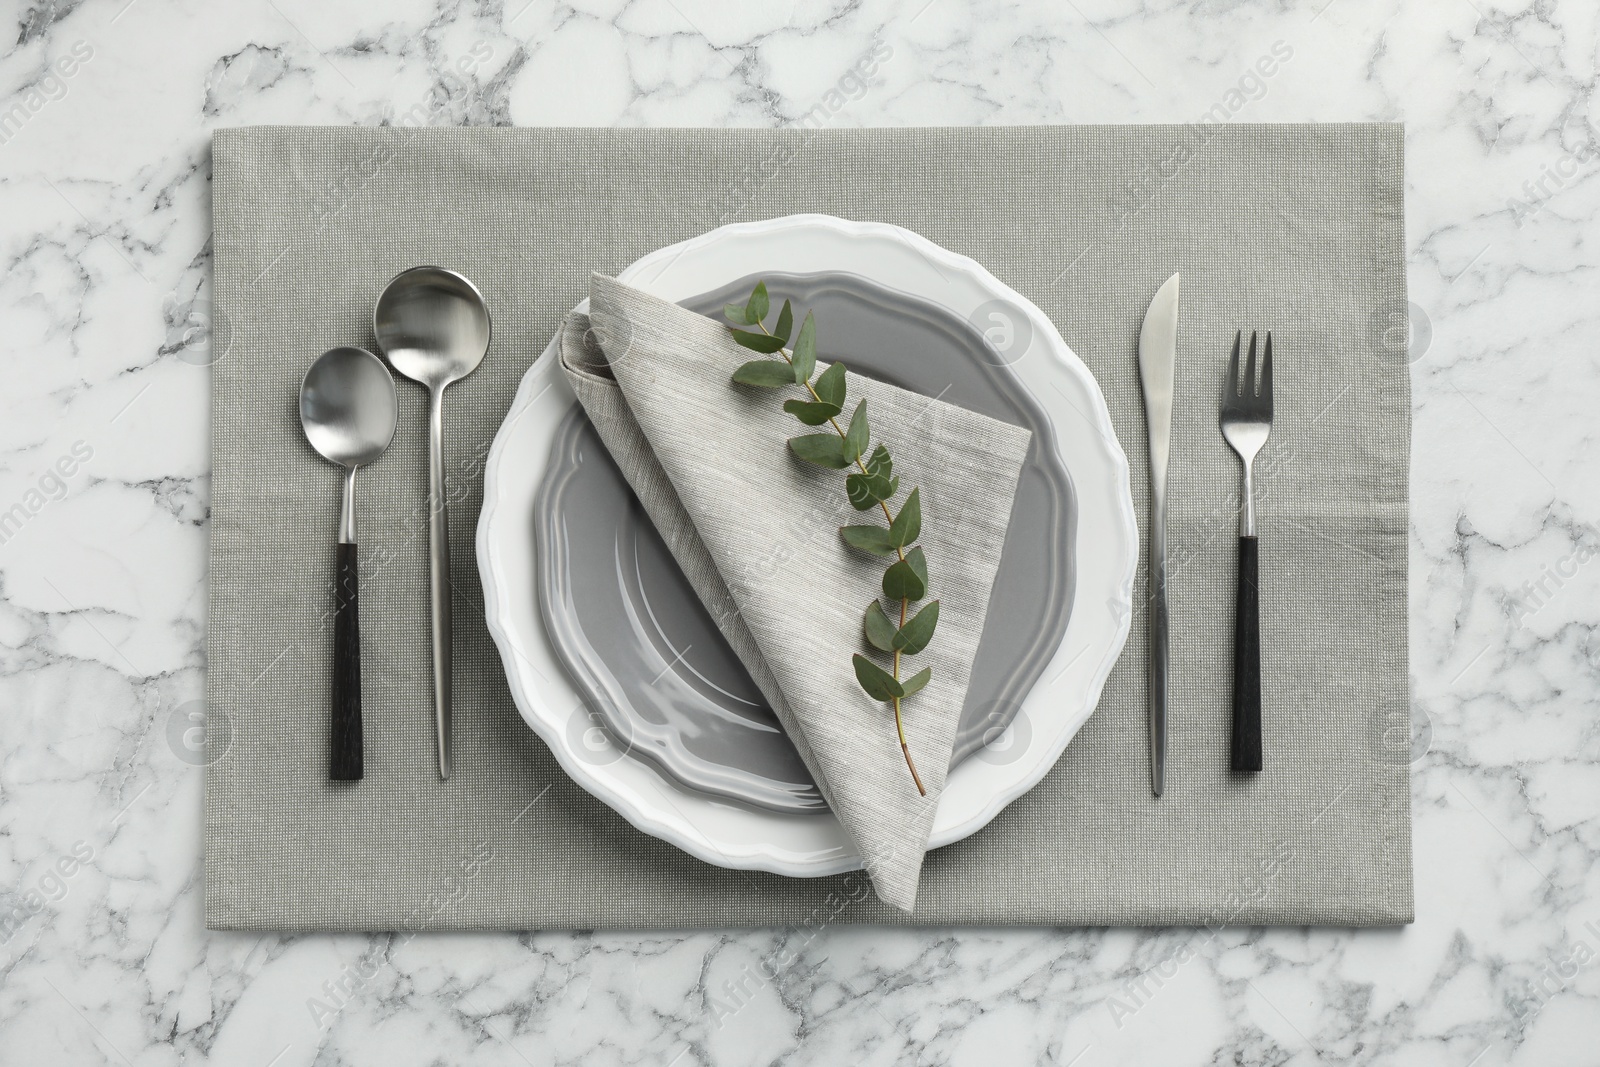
<point x="344" y="761"/>
<point x="1247" y="665"/>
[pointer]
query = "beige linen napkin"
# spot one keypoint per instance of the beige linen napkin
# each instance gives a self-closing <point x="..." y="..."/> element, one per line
<point x="756" y="532"/>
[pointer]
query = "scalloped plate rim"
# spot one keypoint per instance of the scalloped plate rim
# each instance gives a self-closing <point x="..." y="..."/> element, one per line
<point x="653" y="805"/>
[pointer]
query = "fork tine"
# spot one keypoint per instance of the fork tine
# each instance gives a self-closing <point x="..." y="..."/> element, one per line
<point x="1230" y="385"/>
<point x="1266" y="375"/>
<point x="1250" y="369"/>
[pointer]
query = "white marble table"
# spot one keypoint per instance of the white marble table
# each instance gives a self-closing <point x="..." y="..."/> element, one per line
<point x="104" y="257"/>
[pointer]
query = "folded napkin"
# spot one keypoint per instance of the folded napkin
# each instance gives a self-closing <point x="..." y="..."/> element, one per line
<point x="756" y="532"/>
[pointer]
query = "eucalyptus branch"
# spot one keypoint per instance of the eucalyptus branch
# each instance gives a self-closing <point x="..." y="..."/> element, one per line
<point x="872" y="485"/>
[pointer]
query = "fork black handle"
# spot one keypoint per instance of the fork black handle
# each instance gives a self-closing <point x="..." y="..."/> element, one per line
<point x="1247" y="665"/>
<point x="344" y="757"/>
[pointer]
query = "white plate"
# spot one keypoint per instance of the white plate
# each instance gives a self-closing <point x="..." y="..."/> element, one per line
<point x="731" y="835"/>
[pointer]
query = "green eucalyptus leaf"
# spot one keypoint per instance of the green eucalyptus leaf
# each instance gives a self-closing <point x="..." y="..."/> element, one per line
<point x="735" y="313"/>
<point x="805" y="355"/>
<point x="919" y="564"/>
<point x="830" y="384"/>
<point x="916" y="681"/>
<point x="907" y="579"/>
<point x="785" y="322"/>
<point x="764" y="373"/>
<point x="874" y="539"/>
<point x="856" y="488"/>
<point x="879" y="462"/>
<point x="914" y="636"/>
<point x="858" y="435"/>
<point x="878" y="683"/>
<point x="823" y="449"/>
<point x="866" y="490"/>
<point x="908" y="524"/>
<point x="879" y="627"/>
<point x="808" y="412"/>
<point x="756" y="309"/>
<point x="760" y="342"/>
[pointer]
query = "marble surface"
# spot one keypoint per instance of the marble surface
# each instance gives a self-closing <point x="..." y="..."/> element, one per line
<point x="104" y="256"/>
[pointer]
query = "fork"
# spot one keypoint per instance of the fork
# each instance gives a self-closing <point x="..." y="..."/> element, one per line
<point x="1246" y="421"/>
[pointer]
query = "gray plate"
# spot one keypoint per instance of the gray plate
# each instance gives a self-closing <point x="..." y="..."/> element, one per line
<point x="659" y="678"/>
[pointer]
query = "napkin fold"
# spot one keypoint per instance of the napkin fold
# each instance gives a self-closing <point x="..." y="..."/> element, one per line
<point x="756" y="532"/>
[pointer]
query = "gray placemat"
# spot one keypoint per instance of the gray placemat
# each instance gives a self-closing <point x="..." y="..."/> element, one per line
<point x="1293" y="228"/>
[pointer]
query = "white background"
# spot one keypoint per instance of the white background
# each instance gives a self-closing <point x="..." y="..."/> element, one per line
<point x="104" y="260"/>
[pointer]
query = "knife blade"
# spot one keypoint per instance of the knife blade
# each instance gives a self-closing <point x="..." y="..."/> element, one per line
<point x="1158" y="357"/>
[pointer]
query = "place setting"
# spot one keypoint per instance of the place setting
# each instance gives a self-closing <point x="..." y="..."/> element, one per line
<point x="846" y="558"/>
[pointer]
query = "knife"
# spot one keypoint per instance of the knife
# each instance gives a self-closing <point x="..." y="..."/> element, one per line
<point x="1158" y="356"/>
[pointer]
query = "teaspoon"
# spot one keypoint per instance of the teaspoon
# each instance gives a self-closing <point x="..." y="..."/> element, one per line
<point x="348" y="409"/>
<point x="433" y="325"/>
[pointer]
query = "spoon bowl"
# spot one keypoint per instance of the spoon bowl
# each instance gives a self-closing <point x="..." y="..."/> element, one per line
<point x="433" y="324"/>
<point x="348" y="406"/>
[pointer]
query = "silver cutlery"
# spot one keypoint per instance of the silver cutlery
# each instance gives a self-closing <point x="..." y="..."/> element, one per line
<point x="1246" y="422"/>
<point x="348" y="410"/>
<point x="433" y="324"/>
<point x="1158" y="354"/>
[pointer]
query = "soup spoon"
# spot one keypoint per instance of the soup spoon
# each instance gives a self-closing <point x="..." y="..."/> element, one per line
<point x="348" y="409"/>
<point x="433" y="325"/>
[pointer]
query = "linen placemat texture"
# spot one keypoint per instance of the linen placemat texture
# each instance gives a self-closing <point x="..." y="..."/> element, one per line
<point x="1293" y="228"/>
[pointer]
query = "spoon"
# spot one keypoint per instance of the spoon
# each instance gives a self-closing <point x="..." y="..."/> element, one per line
<point x="348" y="408"/>
<point x="433" y="325"/>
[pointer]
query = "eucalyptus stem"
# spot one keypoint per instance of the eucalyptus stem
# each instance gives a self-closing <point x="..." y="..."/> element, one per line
<point x="873" y="485"/>
<point x="899" y="723"/>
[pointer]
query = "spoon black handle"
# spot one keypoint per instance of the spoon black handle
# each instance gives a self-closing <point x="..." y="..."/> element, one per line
<point x="344" y="763"/>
